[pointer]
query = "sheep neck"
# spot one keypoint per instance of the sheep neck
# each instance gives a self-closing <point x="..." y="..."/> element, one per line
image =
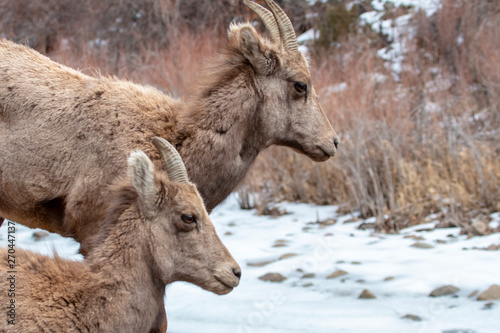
<point x="220" y="137"/>
<point x="123" y="262"/>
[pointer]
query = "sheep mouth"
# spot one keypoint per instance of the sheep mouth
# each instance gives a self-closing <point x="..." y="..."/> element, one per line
<point x="322" y="155"/>
<point x="226" y="288"/>
<point x="316" y="152"/>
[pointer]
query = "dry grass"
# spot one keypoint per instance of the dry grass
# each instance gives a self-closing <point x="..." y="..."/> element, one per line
<point x="171" y="69"/>
<point x="427" y="141"/>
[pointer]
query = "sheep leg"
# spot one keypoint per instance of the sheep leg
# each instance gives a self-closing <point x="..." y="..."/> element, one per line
<point x="160" y="324"/>
<point x="1" y="221"/>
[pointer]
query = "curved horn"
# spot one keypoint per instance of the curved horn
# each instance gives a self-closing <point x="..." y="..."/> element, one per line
<point x="172" y="161"/>
<point x="268" y="19"/>
<point x="286" y="28"/>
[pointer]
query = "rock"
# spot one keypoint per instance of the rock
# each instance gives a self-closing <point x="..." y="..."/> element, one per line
<point x="337" y="273"/>
<point x="328" y="234"/>
<point x="389" y="278"/>
<point x="307" y="285"/>
<point x="424" y="230"/>
<point x="479" y="228"/>
<point x="288" y="255"/>
<point x="488" y="306"/>
<point x="272" y="277"/>
<point x="421" y="245"/>
<point x="366" y="294"/>
<point x="308" y="276"/>
<point x="37" y="235"/>
<point x="360" y="281"/>
<point x="366" y="225"/>
<point x="231" y="224"/>
<point x="228" y="233"/>
<point x="474" y="293"/>
<point x="274" y="212"/>
<point x="356" y="262"/>
<point x="280" y="243"/>
<point x="412" y="317"/>
<point x="444" y="290"/>
<point x="493" y="247"/>
<point x="417" y="238"/>
<point x="352" y="220"/>
<point x="259" y="264"/>
<point x="340" y="262"/>
<point x="326" y="223"/>
<point x="440" y="241"/>
<point x="492" y="293"/>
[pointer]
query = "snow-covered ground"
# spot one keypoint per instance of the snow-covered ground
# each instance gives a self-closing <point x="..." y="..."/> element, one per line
<point x="399" y="275"/>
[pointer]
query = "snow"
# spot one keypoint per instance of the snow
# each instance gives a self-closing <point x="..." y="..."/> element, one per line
<point x="336" y="88"/>
<point x="430" y="6"/>
<point x="304" y="50"/>
<point x="308" y="35"/>
<point x="396" y="29"/>
<point x="312" y="2"/>
<point x="323" y="305"/>
<point x="303" y="39"/>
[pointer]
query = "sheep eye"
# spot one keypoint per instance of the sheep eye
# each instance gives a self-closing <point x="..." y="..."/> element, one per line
<point x="188" y="218"/>
<point x="300" y="87"/>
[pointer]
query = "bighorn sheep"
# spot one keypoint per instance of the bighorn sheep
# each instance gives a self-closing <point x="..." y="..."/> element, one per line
<point x="156" y="231"/>
<point x="257" y="93"/>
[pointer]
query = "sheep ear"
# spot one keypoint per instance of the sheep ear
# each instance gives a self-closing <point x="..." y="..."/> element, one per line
<point x="141" y="174"/>
<point x="263" y="59"/>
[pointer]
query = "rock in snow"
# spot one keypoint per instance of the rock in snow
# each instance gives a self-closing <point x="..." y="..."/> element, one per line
<point x="366" y="294"/>
<point x="492" y="293"/>
<point x="273" y="277"/>
<point x="337" y="273"/>
<point x="412" y="317"/>
<point x="37" y="235"/>
<point x="444" y="290"/>
<point x="420" y="245"/>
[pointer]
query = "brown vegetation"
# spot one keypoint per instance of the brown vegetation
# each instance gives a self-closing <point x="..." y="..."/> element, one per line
<point x="425" y="141"/>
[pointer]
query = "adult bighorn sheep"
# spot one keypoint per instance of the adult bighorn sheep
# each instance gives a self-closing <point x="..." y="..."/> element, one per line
<point x="65" y="135"/>
<point x="156" y="231"/>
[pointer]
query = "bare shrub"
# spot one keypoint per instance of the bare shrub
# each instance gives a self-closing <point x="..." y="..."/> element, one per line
<point x="123" y="25"/>
<point x="427" y="141"/>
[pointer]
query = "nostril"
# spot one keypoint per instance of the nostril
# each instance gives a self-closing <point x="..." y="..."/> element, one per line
<point x="237" y="272"/>
<point x="336" y="142"/>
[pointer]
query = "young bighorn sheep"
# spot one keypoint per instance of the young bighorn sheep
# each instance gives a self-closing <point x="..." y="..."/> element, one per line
<point x="157" y="231"/>
<point x="257" y="93"/>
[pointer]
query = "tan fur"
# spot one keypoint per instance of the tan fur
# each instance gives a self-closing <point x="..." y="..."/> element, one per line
<point x="120" y="285"/>
<point x="64" y="135"/>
